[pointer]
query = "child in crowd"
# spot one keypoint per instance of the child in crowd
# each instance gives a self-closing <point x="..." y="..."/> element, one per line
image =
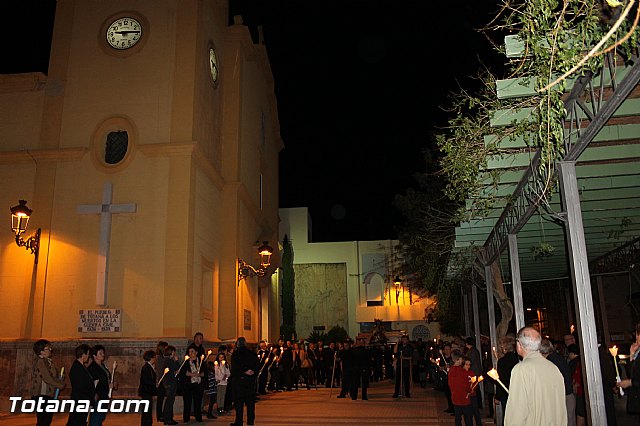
<point x="212" y="391"/>
<point x="475" y="409"/>
<point x="147" y="389"/>
<point x="222" y="372"/>
<point x="460" y="389"/>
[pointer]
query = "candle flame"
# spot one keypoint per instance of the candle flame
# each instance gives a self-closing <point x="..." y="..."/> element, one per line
<point x="215" y="362"/>
<point x="493" y="374"/>
<point x="613" y="351"/>
<point x="166" y="370"/>
<point x="186" y="357"/>
<point x="209" y="352"/>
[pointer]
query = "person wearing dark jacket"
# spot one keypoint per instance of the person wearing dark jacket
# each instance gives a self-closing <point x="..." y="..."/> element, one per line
<point x="329" y="360"/>
<point x="148" y="388"/>
<point x="169" y="384"/>
<point x="507" y="361"/>
<point x="345" y="359"/>
<point x="244" y="371"/>
<point x="361" y="369"/>
<point x="548" y="351"/>
<point x="82" y="387"/>
<point x="102" y="375"/>
<point x="192" y="376"/>
<point x="632" y="384"/>
<point x="159" y="367"/>
<point x="286" y="366"/>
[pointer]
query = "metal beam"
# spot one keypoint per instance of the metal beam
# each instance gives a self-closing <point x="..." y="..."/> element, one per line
<point x="582" y="293"/>
<point x="530" y="190"/>
<point x="488" y="277"/>
<point x="514" y="261"/>
<point x="465" y="306"/>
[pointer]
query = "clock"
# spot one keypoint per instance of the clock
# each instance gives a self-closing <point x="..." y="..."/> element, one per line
<point x="124" y="33"/>
<point x="213" y="65"/>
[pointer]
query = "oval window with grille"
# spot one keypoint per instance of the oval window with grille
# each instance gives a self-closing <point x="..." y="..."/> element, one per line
<point x="116" y="147"/>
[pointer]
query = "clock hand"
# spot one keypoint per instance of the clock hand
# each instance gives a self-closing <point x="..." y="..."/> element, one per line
<point x="127" y="32"/>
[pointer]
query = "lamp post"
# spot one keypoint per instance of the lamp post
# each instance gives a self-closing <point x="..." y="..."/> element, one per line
<point x="246" y="270"/>
<point x="397" y="282"/>
<point x="20" y="215"/>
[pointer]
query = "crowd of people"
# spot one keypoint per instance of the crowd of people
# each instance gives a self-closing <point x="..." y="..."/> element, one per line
<point x="536" y="380"/>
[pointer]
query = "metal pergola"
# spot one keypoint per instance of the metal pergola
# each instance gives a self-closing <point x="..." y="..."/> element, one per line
<point x="590" y="216"/>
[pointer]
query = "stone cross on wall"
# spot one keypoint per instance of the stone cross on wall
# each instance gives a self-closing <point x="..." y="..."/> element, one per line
<point x="105" y="210"/>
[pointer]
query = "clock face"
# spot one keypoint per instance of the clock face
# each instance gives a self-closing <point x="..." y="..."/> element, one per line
<point x="213" y="65"/>
<point x="124" y="33"/>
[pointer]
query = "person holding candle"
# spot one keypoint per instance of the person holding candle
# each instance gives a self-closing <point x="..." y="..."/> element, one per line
<point x="458" y="379"/>
<point x="631" y="385"/>
<point x="192" y="375"/>
<point x="169" y="383"/>
<point x="212" y="391"/>
<point x="46" y="378"/>
<point x="222" y="374"/>
<point x="507" y="360"/>
<point x="536" y="391"/>
<point x="160" y="366"/>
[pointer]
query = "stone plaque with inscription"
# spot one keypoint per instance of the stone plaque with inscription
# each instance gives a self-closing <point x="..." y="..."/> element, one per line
<point x="99" y="320"/>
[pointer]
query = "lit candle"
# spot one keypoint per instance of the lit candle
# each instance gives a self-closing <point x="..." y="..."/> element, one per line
<point x="113" y="373"/>
<point x="166" y="370"/>
<point x="614" y="353"/>
<point x="474" y="385"/>
<point x="494" y="375"/>
<point x="186" y="357"/>
<point x="201" y="361"/>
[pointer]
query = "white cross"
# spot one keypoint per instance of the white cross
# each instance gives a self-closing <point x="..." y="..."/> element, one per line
<point x="105" y="210"/>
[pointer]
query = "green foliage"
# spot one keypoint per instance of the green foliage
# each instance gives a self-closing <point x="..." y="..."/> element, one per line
<point x="288" y="332"/>
<point x="556" y="36"/>
<point x="427" y="235"/>
<point x="316" y="335"/>
<point x="542" y="249"/>
<point x="337" y="333"/>
<point x="288" y="287"/>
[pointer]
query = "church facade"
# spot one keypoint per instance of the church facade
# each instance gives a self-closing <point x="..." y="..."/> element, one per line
<point x="149" y="158"/>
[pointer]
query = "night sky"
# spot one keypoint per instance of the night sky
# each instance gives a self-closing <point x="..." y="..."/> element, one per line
<point x="360" y="86"/>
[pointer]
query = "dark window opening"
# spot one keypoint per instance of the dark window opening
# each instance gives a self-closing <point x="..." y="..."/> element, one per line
<point x="116" y="148"/>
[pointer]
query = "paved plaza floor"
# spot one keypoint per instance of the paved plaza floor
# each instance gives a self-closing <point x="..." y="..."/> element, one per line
<point x="314" y="407"/>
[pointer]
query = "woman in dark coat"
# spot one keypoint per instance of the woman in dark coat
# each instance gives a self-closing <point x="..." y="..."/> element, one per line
<point x="82" y="387"/>
<point x="191" y="376"/>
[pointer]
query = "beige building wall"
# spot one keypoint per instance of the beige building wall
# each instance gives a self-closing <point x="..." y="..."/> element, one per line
<point x="201" y="168"/>
<point x="347" y="290"/>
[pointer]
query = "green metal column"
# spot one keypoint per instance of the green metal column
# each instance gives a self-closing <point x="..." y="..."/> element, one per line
<point x="582" y="293"/>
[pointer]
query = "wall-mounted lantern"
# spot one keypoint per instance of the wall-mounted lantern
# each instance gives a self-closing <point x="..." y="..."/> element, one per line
<point x="20" y="215"/>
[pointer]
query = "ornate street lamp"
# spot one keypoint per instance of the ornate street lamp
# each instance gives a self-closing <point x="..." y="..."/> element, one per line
<point x="245" y="270"/>
<point x="20" y="215"/>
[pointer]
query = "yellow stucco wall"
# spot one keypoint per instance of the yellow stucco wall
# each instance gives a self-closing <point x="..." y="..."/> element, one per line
<point x="192" y="168"/>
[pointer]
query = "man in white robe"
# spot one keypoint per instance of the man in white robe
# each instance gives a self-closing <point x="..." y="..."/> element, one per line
<point x="536" y="391"/>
